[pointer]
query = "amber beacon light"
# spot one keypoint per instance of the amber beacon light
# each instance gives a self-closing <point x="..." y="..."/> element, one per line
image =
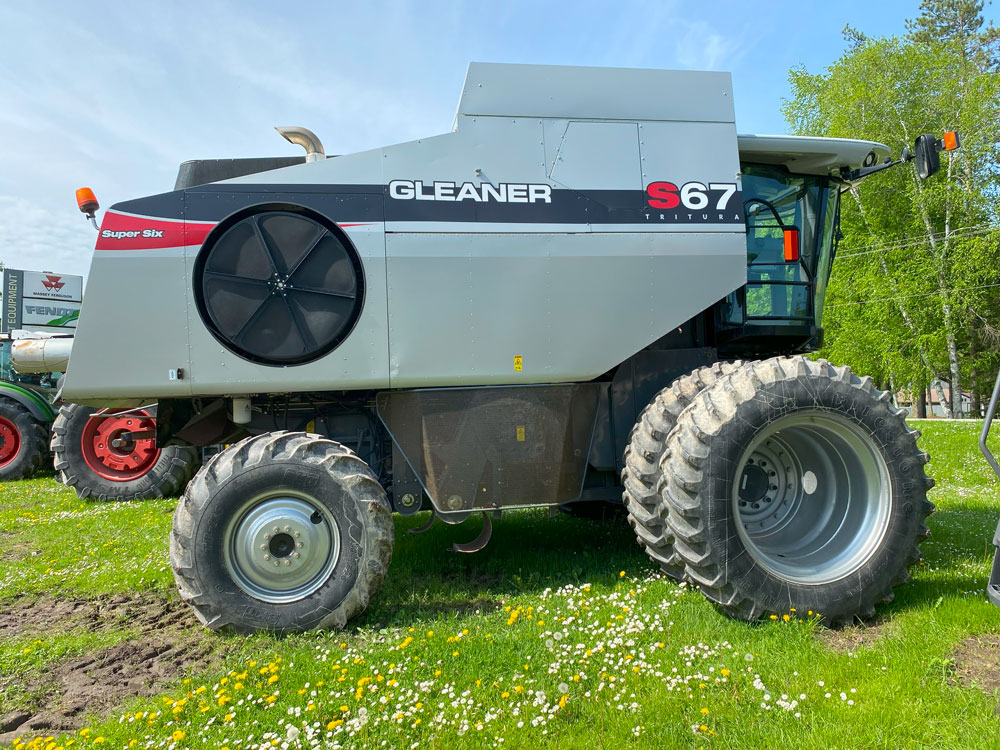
<point x="88" y="204"/>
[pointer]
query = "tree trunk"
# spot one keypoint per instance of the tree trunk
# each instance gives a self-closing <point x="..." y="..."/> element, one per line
<point x="974" y="376"/>
<point x="920" y="403"/>
<point x="940" y="250"/>
<point x="955" y="382"/>
<point x="945" y="404"/>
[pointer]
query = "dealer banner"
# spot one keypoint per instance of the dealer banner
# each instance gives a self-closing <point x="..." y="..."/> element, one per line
<point x="36" y="300"/>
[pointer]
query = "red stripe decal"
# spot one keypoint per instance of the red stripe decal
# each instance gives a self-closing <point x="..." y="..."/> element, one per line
<point x="123" y="232"/>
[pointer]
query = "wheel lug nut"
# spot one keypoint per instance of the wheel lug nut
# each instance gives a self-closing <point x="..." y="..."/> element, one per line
<point x="299" y="545"/>
<point x="276" y="529"/>
<point x="267" y="557"/>
<point x="288" y="528"/>
<point x="288" y="562"/>
<point x="298" y="533"/>
<point x="267" y="536"/>
<point x="296" y="555"/>
<point x="263" y="546"/>
<point x="276" y="563"/>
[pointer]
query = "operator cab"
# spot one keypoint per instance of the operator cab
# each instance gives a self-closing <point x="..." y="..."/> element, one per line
<point x="791" y="203"/>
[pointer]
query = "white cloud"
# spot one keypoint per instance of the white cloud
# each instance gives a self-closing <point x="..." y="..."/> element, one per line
<point x="36" y="239"/>
<point x="700" y="46"/>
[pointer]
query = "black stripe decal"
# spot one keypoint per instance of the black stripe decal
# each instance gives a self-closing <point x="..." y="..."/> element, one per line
<point x="372" y="203"/>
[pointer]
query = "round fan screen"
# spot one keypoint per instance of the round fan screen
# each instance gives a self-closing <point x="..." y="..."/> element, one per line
<point x="280" y="287"/>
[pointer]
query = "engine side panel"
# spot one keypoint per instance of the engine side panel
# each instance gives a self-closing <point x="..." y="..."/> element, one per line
<point x="543" y="308"/>
<point x="133" y="330"/>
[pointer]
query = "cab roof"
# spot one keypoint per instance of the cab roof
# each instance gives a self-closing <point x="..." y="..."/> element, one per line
<point x="808" y="155"/>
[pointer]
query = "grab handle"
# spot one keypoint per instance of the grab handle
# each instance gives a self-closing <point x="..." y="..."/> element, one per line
<point x="993" y="587"/>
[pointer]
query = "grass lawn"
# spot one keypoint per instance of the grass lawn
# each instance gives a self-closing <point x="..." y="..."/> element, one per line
<point x="560" y="634"/>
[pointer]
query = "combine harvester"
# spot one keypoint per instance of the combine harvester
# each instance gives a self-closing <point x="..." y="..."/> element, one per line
<point x="101" y="455"/>
<point x="591" y="284"/>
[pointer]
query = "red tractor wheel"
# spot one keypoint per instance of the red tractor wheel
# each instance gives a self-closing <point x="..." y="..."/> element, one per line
<point x="112" y="453"/>
<point x="23" y="441"/>
<point x="115" y="457"/>
<point x="10" y="442"/>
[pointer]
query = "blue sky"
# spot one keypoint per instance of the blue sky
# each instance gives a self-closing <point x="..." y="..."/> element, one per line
<point x="117" y="96"/>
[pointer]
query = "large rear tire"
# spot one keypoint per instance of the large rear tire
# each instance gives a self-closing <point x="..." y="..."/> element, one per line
<point x="281" y="532"/>
<point x="795" y="485"/>
<point x="23" y="442"/>
<point x="87" y="461"/>
<point x="642" y="477"/>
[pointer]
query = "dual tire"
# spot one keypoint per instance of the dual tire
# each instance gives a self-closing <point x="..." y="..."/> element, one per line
<point x="785" y="484"/>
<point x="642" y="473"/>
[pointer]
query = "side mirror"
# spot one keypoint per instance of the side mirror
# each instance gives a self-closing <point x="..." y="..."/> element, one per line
<point x="925" y="151"/>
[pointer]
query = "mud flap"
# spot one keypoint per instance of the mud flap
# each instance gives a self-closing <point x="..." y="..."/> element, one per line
<point x="993" y="587"/>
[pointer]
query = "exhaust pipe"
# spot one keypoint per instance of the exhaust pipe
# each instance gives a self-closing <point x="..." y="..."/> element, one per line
<point x="305" y="138"/>
<point x="40" y="356"/>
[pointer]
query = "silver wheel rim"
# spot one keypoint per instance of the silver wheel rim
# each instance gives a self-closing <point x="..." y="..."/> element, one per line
<point x="812" y="497"/>
<point x="281" y="546"/>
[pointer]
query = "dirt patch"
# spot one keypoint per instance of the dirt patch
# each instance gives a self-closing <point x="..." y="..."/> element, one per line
<point x="167" y="642"/>
<point x="21" y="555"/>
<point x="977" y="662"/>
<point x="853" y="637"/>
<point x="147" y="611"/>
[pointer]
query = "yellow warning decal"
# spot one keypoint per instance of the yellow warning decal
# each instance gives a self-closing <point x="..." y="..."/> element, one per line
<point x="518" y="363"/>
<point x="520" y="433"/>
<point x="311" y="425"/>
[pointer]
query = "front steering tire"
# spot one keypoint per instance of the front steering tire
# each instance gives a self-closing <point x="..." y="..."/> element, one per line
<point x="281" y="532"/>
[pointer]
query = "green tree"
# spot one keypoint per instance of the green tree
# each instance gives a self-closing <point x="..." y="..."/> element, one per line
<point x="959" y="21"/>
<point x="912" y="298"/>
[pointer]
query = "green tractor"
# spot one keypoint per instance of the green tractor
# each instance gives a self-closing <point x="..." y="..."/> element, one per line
<point x="26" y="413"/>
<point x="102" y="454"/>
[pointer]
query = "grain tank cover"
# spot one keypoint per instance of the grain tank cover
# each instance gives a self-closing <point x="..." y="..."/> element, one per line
<point x="503" y="90"/>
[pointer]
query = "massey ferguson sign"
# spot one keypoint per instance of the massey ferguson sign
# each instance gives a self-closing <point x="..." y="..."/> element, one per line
<point x="52" y="286"/>
<point x="44" y="301"/>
